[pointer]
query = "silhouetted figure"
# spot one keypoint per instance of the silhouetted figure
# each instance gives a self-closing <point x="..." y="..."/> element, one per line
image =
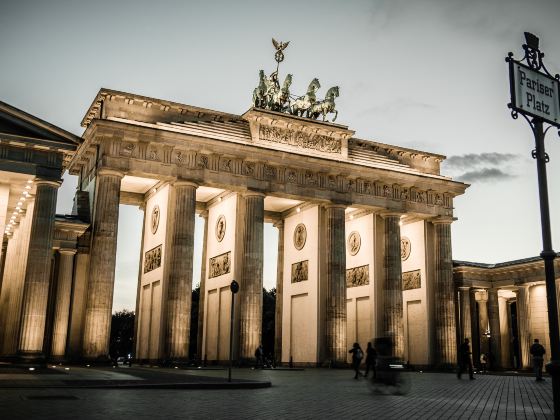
<point x="537" y="351"/>
<point x="465" y="359"/>
<point x="259" y="354"/>
<point x="483" y="362"/>
<point x="357" y="356"/>
<point x="371" y="360"/>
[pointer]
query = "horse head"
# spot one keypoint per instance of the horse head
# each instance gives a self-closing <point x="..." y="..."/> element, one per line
<point x="314" y="86"/>
<point x="288" y="81"/>
<point x="332" y="92"/>
<point x="261" y="75"/>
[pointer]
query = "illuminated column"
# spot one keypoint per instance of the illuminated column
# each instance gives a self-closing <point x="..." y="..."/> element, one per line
<point x="336" y="283"/>
<point x="202" y="293"/>
<point x="475" y="328"/>
<point x="465" y="302"/>
<point x="483" y="322"/>
<point x="523" y="314"/>
<point x="8" y="333"/>
<point x="392" y="287"/>
<point x="251" y="283"/>
<point x="97" y="323"/>
<point x="36" y="286"/>
<point x="495" y="336"/>
<point x="504" y="332"/>
<point x="279" y="292"/>
<point x="180" y="259"/>
<point x="62" y="303"/>
<point x="446" y="339"/>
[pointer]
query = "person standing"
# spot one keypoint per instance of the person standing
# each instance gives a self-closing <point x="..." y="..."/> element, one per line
<point x="371" y="359"/>
<point x="357" y="356"/>
<point x="259" y="353"/>
<point x="465" y="359"/>
<point x="537" y="351"/>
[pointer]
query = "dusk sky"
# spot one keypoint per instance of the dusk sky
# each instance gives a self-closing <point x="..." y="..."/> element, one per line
<point x="427" y="75"/>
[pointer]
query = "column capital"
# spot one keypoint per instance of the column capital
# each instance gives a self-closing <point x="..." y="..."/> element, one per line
<point x="204" y="214"/>
<point x="184" y="183"/>
<point x="443" y="220"/>
<point x="253" y="193"/>
<point x="279" y="224"/>
<point x="110" y="172"/>
<point x="334" y="205"/>
<point x="387" y="214"/>
<point x="464" y="288"/>
<point x="67" y="251"/>
<point x="56" y="183"/>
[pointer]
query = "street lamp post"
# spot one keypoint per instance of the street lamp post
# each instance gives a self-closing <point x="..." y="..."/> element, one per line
<point x="234" y="287"/>
<point x="535" y="95"/>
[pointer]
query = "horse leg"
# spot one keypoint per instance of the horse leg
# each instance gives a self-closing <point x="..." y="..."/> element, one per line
<point x="335" y="115"/>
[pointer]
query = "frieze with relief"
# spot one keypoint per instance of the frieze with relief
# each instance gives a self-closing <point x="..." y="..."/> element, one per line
<point x="220" y="265"/>
<point x="357" y="276"/>
<point x="411" y="280"/>
<point x="300" y="271"/>
<point x="300" y="139"/>
<point x="152" y="259"/>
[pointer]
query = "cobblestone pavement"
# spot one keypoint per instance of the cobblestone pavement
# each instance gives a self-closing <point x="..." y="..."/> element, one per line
<point x="309" y="394"/>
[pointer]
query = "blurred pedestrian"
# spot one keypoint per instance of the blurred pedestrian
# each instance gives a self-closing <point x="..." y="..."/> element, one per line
<point x="371" y="360"/>
<point x="357" y="356"/>
<point x="537" y="351"/>
<point x="259" y="354"/>
<point x="465" y="359"/>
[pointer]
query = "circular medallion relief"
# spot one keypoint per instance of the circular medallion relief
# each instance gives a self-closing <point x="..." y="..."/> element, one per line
<point x="354" y="243"/>
<point x="155" y="219"/>
<point x="405" y="248"/>
<point x="220" y="228"/>
<point x="300" y="235"/>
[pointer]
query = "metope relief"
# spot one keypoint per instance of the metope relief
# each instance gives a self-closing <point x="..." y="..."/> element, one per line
<point x="220" y="228"/>
<point x="406" y="247"/>
<point x="354" y="243"/>
<point x="155" y="219"/>
<point x="299" y="271"/>
<point x="300" y="236"/>
<point x="357" y="276"/>
<point x="152" y="259"/>
<point x="219" y="265"/>
<point x="411" y="280"/>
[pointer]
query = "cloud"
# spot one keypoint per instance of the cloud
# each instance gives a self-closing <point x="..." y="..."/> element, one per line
<point x="397" y="106"/>
<point x="475" y="159"/>
<point x="485" y="175"/>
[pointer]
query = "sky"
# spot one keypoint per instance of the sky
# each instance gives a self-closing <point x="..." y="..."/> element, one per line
<point x="421" y="74"/>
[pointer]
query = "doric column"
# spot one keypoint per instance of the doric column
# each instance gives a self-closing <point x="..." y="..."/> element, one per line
<point x="465" y="314"/>
<point x="180" y="260"/>
<point x="251" y="281"/>
<point x="475" y="328"/>
<point x="446" y="341"/>
<point x="392" y="287"/>
<point x="505" y="343"/>
<point x="7" y="342"/>
<point x="103" y="252"/>
<point x="335" y="272"/>
<point x="62" y="303"/>
<point x="279" y="292"/>
<point x="495" y="336"/>
<point x="36" y="286"/>
<point x="202" y="293"/>
<point x="523" y="314"/>
<point x="483" y="322"/>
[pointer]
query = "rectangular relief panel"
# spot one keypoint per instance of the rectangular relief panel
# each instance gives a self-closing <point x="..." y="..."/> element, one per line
<point x="300" y="271"/>
<point x="152" y="259"/>
<point x="357" y="276"/>
<point x="219" y="265"/>
<point x="411" y="280"/>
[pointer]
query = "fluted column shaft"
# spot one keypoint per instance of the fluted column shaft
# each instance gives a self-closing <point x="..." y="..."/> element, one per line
<point x="523" y="314"/>
<point x="392" y="287"/>
<point x="445" y="323"/>
<point x="505" y="343"/>
<point x="279" y="293"/>
<point x="465" y="314"/>
<point x="6" y="312"/>
<point x="179" y="292"/>
<point x="36" y="286"/>
<point x="62" y="305"/>
<point x="336" y="283"/>
<point x="202" y="295"/>
<point x="251" y="284"/>
<point x="475" y="329"/>
<point x="495" y="335"/>
<point x="97" y="323"/>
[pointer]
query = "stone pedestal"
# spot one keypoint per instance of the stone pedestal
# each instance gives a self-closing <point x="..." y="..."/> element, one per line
<point x="392" y="286"/>
<point x="180" y="260"/>
<point x="523" y="314"/>
<point x="202" y="293"/>
<point x="251" y="281"/>
<point x="336" y="283"/>
<point x="36" y="286"/>
<point x="465" y="314"/>
<point x="97" y="324"/>
<point x="444" y="289"/>
<point x="495" y="336"/>
<point x="62" y="304"/>
<point x="279" y="293"/>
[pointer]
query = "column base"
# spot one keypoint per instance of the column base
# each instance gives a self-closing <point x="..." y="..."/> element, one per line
<point x="31" y="359"/>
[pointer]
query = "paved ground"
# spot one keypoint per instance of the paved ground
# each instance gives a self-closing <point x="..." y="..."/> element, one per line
<point x="313" y="393"/>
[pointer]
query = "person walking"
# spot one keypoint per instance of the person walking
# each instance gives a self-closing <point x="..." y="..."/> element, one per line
<point x="371" y="359"/>
<point x="357" y="356"/>
<point x="537" y="351"/>
<point x="465" y="359"/>
<point x="259" y="354"/>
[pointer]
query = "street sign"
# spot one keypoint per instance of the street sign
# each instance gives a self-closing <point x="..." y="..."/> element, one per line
<point x="534" y="93"/>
